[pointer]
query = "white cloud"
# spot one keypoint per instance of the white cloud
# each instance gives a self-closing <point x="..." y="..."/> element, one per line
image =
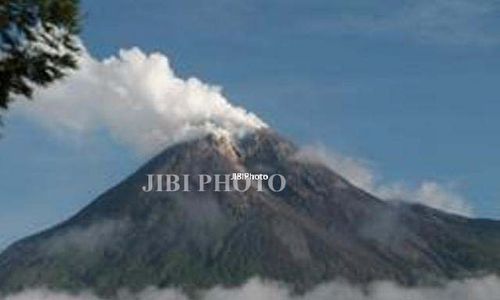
<point x="430" y="193"/>
<point x="44" y="294"/>
<point x="139" y="100"/>
<point x="89" y="238"/>
<point x="363" y="175"/>
<point x="478" y="289"/>
<point x="357" y="171"/>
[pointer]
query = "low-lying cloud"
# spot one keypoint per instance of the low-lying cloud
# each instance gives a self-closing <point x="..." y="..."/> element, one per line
<point x="89" y="238"/>
<point x="486" y="288"/>
<point x="363" y="175"/>
<point x="139" y="100"/>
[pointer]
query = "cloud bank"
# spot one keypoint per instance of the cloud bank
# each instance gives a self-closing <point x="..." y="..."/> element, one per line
<point x="139" y="100"/>
<point x="486" y="288"/>
<point x="363" y="175"/>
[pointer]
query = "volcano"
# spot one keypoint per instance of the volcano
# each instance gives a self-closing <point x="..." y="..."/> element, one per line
<point x="319" y="228"/>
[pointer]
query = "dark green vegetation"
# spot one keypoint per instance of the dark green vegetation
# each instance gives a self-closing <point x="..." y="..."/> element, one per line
<point x="37" y="44"/>
<point x="319" y="228"/>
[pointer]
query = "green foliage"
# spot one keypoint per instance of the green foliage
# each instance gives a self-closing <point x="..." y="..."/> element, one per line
<point x="37" y="44"/>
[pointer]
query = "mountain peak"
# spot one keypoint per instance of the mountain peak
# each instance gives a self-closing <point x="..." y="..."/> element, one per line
<point x="318" y="228"/>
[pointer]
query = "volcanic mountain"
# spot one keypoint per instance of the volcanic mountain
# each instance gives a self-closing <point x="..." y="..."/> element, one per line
<point x="319" y="228"/>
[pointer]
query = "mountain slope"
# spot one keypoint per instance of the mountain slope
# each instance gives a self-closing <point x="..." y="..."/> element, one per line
<point x="319" y="228"/>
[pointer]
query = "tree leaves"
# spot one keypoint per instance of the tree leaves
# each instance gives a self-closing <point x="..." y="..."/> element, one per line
<point x="38" y="44"/>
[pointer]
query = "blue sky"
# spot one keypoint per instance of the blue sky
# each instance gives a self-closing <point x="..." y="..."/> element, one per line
<point x="411" y="87"/>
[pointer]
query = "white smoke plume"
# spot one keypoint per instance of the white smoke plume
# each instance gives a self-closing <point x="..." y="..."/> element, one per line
<point x="363" y="175"/>
<point x="139" y="100"/>
<point x="487" y="288"/>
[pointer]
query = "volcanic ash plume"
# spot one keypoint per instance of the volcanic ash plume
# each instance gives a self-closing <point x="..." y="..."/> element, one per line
<point x="138" y="99"/>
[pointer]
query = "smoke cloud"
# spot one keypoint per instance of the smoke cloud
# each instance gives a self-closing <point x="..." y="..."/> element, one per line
<point x="486" y="288"/>
<point x="139" y="100"/>
<point x="363" y="175"/>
